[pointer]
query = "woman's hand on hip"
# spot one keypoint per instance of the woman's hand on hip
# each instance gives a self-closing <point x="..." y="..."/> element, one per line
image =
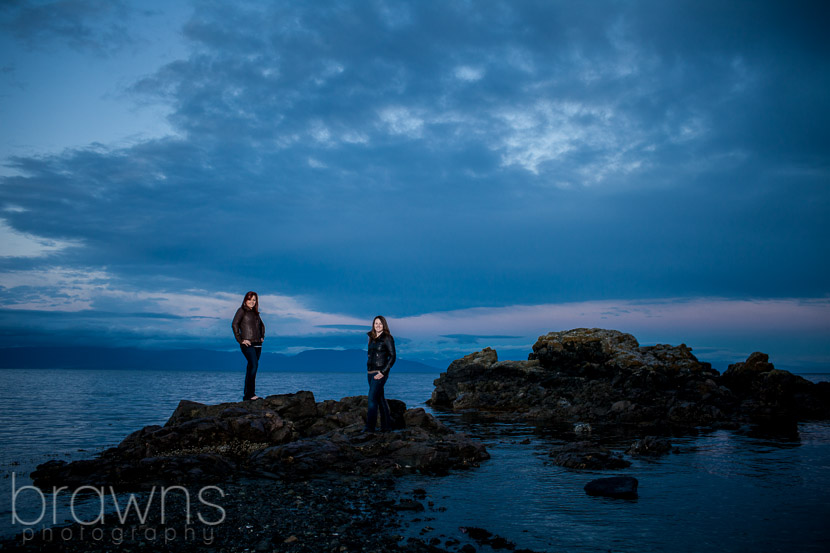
<point x="378" y="376"/>
<point x="246" y="342"/>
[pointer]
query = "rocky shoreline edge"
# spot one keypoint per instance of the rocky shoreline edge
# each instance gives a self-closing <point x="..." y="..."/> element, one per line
<point x="283" y="473"/>
<point x="285" y="436"/>
<point x="324" y="513"/>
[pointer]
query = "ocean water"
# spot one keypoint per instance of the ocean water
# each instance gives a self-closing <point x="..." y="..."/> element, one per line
<point x="723" y="490"/>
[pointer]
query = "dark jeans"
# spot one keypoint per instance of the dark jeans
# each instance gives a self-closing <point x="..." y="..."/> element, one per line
<point x="252" y="355"/>
<point x="377" y="401"/>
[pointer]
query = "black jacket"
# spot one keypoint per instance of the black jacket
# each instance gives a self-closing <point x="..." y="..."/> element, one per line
<point x="248" y="326"/>
<point x="381" y="354"/>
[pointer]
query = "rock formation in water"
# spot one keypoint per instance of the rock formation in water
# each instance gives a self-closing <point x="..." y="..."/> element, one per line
<point x="280" y="436"/>
<point x="605" y="376"/>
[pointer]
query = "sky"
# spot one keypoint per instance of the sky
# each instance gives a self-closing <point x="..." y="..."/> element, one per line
<point x="481" y="173"/>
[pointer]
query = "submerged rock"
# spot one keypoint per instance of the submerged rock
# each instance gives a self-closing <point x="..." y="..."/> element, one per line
<point x="587" y="456"/>
<point x="599" y="376"/>
<point x="486" y="538"/>
<point x="279" y="436"/>
<point x="650" y="446"/>
<point x="620" y="487"/>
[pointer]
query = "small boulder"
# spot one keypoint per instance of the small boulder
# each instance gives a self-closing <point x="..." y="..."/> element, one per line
<point x="620" y="487"/>
<point x="583" y="428"/>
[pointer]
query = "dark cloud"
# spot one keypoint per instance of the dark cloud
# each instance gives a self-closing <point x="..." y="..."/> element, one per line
<point x="97" y="26"/>
<point x="434" y="156"/>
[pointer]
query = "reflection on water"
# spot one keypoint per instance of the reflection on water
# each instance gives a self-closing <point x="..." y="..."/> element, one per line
<point x="721" y="491"/>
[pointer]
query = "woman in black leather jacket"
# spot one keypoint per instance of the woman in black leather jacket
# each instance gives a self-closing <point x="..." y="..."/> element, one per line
<point x="249" y="331"/>
<point x="381" y="359"/>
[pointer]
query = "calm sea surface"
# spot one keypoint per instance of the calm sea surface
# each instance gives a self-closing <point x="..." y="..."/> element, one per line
<point x="723" y="491"/>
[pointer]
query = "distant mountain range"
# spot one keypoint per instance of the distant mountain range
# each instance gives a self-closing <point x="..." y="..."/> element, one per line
<point x="136" y="359"/>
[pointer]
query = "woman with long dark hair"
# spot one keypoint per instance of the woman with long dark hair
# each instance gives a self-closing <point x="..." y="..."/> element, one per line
<point x="249" y="331"/>
<point x="381" y="359"/>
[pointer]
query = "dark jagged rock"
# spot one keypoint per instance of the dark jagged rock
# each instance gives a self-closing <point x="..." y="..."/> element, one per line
<point x="650" y="446"/>
<point x="278" y="436"/>
<point x="470" y="367"/>
<point x="605" y="377"/>
<point x="587" y="456"/>
<point x="425" y="446"/>
<point x="769" y="395"/>
<point x="620" y="487"/>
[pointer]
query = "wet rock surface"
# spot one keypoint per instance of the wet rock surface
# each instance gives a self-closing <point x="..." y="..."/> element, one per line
<point x="281" y="436"/>
<point x="605" y="377"/>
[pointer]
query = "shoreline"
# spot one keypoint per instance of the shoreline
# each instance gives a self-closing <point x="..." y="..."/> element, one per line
<point x="265" y="513"/>
<point x="325" y="513"/>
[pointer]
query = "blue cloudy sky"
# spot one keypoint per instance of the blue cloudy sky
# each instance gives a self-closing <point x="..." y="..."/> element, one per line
<point x="480" y="172"/>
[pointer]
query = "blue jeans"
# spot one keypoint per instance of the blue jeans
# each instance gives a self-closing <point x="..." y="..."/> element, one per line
<point x="377" y="401"/>
<point x="252" y="355"/>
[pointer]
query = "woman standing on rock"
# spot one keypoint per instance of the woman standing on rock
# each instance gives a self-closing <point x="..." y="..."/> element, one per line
<point x="249" y="331"/>
<point x="381" y="359"/>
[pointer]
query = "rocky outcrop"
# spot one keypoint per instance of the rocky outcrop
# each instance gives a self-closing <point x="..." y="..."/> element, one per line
<point x="768" y="394"/>
<point x="424" y="445"/>
<point x="605" y="377"/>
<point x="279" y="436"/>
